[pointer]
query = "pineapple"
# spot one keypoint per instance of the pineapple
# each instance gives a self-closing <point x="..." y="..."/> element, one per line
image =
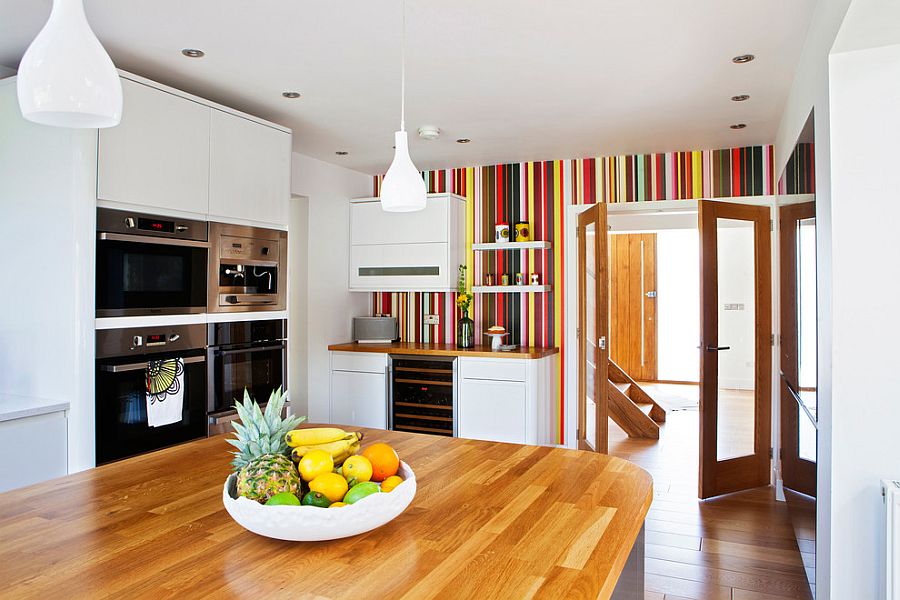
<point x="262" y="460"/>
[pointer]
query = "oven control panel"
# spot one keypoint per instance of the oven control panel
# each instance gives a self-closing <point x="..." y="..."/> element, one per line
<point x="149" y="340"/>
<point x="248" y="250"/>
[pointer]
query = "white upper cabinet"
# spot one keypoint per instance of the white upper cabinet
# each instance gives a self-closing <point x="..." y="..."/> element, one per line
<point x="414" y="251"/>
<point x="249" y="170"/>
<point x="158" y="156"/>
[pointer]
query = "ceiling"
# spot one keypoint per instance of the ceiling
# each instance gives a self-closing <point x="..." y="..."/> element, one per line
<point x="523" y="79"/>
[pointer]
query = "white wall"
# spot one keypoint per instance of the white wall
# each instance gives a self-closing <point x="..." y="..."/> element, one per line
<point x="47" y="231"/>
<point x="810" y="91"/>
<point x="678" y="304"/>
<point x="865" y="124"/>
<point x="298" y="300"/>
<point x="330" y="305"/>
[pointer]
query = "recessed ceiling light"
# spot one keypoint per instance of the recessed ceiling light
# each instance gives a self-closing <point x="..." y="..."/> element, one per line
<point x="341" y="152"/>
<point x="740" y="98"/>
<point x="463" y="141"/>
<point x="291" y="94"/>
<point x="193" y="53"/>
<point x="742" y="58"/>
<point x="738" y="126"/>
<point x="429" y="132"/>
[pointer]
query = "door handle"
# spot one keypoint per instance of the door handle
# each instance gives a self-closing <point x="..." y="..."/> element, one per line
<point x="717" y="348"/>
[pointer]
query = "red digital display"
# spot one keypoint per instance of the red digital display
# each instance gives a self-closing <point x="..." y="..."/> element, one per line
<point x="156" y="338"/>
<point x="154" y="225"/>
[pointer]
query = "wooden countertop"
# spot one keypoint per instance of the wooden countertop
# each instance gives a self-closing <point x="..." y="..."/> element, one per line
<point x="489" y="520"/>
<point x="429" y="349"/>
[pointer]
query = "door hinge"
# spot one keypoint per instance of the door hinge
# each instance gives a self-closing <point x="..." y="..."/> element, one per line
<point x="771" y="224"/>
<point x="772" y="339"/>
<point x="771" y="453"/>
<point x="602" y="342"/>
<point x="577" y="434"/>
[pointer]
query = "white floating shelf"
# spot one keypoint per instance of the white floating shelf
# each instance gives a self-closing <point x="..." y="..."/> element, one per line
<point x="511" y="246"/>
<point x="509" y="289"/>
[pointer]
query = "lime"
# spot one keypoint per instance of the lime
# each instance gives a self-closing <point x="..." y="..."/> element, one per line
<point x="283" y="499"/>
<point x="360" y="491"/>
<point x="316" y="499"/>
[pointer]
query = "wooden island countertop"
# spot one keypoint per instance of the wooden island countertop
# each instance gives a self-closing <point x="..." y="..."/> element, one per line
<point x="490" y="520"/>
<point x="435" y="349"/>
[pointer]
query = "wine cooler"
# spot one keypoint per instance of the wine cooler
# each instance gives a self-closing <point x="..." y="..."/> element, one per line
<point x="423" y="397"/>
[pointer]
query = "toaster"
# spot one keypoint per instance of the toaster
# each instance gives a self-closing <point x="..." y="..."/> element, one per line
<point x="375" y="329"/>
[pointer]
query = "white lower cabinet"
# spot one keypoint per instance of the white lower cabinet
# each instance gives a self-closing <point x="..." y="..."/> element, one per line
<point x="492" y="410"/>
<point x="34" y="449"/>
<point x="359" y="389"/>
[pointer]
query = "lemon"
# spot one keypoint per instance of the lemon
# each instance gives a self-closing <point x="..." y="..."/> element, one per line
<point x="390" y="483"/>
<point x="330" y="485"/>
<point x="357" y="467"/>
<point x="314" y="463"/>
<point x="337" y="504"/>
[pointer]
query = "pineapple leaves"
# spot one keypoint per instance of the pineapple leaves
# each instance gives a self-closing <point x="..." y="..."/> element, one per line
<point x="261" y="432"/>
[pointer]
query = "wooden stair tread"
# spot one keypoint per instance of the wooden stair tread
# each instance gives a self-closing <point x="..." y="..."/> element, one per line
<point x="629" y="416"/>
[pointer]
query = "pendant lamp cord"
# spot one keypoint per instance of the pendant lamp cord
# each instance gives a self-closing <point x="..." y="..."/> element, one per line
<point x="403" y="65"/>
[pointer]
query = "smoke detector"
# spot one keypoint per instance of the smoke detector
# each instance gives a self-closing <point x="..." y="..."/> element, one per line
<point x="429" y="132"/>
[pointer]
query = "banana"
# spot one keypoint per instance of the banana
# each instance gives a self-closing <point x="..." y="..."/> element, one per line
<point x="338" y="449"/>
<point x="313" y="436"/>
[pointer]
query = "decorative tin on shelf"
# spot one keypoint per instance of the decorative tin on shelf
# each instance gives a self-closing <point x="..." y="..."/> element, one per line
<point x="522" y="232"/>
<point x="502" y="233"/>
<point x="520" y="279"/>
<point x="504" y="279"/>
<point x="488" y="279"/>
<point x="535" y="279"/>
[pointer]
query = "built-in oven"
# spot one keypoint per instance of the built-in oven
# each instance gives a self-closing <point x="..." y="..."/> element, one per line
<point x="150" y="265"/>
<point x="247" y="271"/>
<point x="243" y="355"/>
<point x="150" y="389"/>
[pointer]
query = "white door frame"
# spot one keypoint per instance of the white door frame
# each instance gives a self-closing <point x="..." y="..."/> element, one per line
<point x="648" y="217"/>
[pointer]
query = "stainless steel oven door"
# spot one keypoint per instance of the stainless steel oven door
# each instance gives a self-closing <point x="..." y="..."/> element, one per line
<point x="259" y="369"/>
<point x="122" y="427"/>
<point x="144" y="275"/>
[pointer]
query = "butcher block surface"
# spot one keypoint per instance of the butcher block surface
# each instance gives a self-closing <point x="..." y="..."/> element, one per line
<point x="490" y="520"/>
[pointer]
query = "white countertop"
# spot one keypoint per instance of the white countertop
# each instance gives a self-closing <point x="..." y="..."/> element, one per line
<point x="13" y="406"/>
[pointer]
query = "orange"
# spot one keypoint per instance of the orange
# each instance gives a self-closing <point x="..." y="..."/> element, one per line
<point x="390" y="483"/>
<point x="384" y="459"/>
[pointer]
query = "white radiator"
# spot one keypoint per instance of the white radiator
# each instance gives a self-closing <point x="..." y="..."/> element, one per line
<point x="891" y="493"/>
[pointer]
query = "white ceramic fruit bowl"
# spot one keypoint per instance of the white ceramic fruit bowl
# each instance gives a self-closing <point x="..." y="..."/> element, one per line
<point x="313" y="524"/>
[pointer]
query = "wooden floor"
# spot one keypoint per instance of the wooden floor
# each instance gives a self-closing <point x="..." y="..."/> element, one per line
<point x="736" y="547"/>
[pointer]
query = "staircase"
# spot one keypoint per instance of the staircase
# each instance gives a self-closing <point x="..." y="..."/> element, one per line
<point x="630" y="407"/>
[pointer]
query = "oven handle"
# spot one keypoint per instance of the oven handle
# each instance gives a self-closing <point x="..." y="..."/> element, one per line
<point x="149" y="239"/>
<point x="143" y="365"/>
<point x="279" y="346"/>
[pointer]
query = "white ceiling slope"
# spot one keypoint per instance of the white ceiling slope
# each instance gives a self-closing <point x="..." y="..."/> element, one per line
<point x="524" y="79"/>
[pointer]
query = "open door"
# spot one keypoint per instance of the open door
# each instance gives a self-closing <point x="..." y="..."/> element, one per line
<point x="797" y="251"/>
<point x="593" y="329"/>
<point x="735" y="347"/>
<point x="632" y="304"/>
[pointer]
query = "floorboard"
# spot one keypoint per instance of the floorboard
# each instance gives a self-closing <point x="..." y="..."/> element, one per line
<point x="736" y="547"/>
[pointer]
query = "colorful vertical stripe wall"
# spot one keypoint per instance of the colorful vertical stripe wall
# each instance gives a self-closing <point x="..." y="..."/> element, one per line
<point x="799" y="176"/>
<point x="538" y="192"/>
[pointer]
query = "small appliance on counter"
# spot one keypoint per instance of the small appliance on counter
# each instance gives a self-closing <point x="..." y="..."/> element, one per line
<point x="241" y="355"/>
<point x="150" y="390"/>
<point x="247" y="270"/>
<point x="375" y="330"/>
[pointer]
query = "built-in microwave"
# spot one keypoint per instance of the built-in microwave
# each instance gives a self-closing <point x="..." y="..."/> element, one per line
<point x="150" y="265"/>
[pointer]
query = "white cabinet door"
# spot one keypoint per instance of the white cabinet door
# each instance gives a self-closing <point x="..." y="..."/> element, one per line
<point x="158" y="156"/>
<point x="492" y="410"/>
<point x="359" y="399"/>
<point x="249" y="170"/>
<point x="33" y="450"/>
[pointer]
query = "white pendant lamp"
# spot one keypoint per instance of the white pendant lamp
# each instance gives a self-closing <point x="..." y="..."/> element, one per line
<point x="66" y="78"/>
<point x="403" y="189"/>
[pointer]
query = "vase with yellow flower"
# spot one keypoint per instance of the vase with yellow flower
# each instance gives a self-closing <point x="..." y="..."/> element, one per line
<point x="465" y="327"/>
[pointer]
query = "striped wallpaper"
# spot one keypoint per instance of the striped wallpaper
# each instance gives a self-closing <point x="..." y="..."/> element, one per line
<point x="799" y="176"/>
<point x="538" y="192"/>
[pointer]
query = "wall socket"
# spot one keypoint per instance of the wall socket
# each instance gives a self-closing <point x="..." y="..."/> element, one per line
<point x="432" y="319"/>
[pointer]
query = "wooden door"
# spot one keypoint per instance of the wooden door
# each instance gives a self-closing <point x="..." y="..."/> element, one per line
<point x="798" y="316"/>
<point x="632" y="304"/>
<point x="593" y="330"/>
<point x="735" y="347"/>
